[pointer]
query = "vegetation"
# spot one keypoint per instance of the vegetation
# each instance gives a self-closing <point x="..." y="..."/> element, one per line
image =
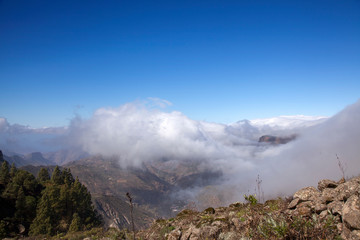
<point x="43" y="205"/>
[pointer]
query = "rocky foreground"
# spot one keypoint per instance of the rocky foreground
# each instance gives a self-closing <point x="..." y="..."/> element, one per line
<point x="332" y="211"/>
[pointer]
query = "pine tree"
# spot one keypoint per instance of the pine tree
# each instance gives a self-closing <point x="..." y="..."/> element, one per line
<point x="13" y="170"/>
<point x="67" y="176"/>
<point x="20" y="206"/>
<point x="56" y="177"/>
<point x="42" y="223"/>
<point x="43" y="175"/>
<point x="4" y="173"/>
<point x="75" y="223"/>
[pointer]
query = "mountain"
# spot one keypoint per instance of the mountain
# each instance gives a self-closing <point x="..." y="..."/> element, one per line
<point x="64" y="156"/>
<point x="277" y="140"/>
<point x="152" y="187"/>
<point x="35" y="159"/>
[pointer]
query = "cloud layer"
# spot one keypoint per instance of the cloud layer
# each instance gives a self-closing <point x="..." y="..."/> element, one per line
<point x="136" y="133"/>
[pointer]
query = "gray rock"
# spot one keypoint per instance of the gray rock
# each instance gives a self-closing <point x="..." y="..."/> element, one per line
<point x="326" y="183"/>
<point x="318" y="206"/>
<point x="308" y="193"/>
<point x="293" y="203"/>
<point x="345" y="190"/>
<point x="328" y="195"/>
<point x="304" y="209"/>
<point x="336" y="207"/>
<point x="351" y="212"/>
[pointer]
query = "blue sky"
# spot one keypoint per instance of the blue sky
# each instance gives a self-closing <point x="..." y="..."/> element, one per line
<point x="219" y="61"/>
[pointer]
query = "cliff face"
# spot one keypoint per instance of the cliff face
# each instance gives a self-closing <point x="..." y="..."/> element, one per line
<point x="276" y="140"/>
<point x="329" y="212"/>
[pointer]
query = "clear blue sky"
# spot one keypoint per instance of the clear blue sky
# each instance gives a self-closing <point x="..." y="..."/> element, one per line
<point x="219" y="61"/>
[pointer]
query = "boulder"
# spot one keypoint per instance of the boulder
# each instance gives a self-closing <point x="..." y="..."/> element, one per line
<point x="306" y="194"/>
<point x="294" y="203"/>
<point x="335" y="207"/>
<point x="345" y="190"/>
<point x="326" y="183"/>
<point x="328" y="195"/>
<point x="351" y="212"/>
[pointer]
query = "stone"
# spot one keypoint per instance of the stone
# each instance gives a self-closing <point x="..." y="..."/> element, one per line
<point x="293" y="203"/>
<point x="323" y="214"/>
<point x="175" y="234"/>
<point x="328" y="195"/>
<point x="318" y="206"/>
<point x="326" y="183"/>
<point x="21" y="228"/>
<point x="195" y="234"/>
<point x="335" y="207"/>
<point x="345" y="190"/>
<point x="304" y="209"/>
<point x="351" y="212"/>
<point x="339" y="226"/>
<point x="306" y="194"/>
<point x="346" y="233"/>
<point x="355" y="234"/>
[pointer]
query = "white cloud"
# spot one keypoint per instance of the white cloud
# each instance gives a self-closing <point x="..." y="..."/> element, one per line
<point x="137" y="134"/>
<point x="140" y="132"/>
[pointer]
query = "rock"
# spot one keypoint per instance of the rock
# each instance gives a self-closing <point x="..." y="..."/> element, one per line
<point x="345" y="234"/>
<point x="276" y="140"/>
<point x="328" y="195"/>
<point x="21" y="228"/>
<point x="326" y="183"/>
<point x="318" y="206"/>
<point x="335" y="207"/>
<point x="306" y="194"/>
<point x="209" y="210"/>
<point x="355" y="234"/>
<point x="293" y="203"/>
<point x="209" y="232"/>
<point x="351" y="212"/>
<point x="229" y="236"/>
<point x="323" y="214"/>
<point x="341" y="181"/>
<point x="345" y="190"/>
<point x="175" y="234"/>
<point x="304" y="209"/>
<point x="339" y="226"/>
<point x="195" y="234"/>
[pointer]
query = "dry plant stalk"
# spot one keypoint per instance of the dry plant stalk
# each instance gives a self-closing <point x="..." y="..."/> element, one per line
<point x="342" y="166"/>
<point x="260" y="192"/>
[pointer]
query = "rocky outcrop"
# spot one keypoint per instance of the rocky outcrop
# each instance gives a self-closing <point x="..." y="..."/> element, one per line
<point x="336" y="199"/>
<point x="330" y="211"/>
<point x="276" y="140"/>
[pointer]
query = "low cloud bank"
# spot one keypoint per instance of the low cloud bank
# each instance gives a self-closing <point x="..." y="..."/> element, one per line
<point x="20" y="139"/>
<point x="139" y="133"/>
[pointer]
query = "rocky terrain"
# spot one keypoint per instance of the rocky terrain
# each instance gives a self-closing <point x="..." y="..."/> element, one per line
<point x="332" y="211"/>
<point x="151" y="186"/>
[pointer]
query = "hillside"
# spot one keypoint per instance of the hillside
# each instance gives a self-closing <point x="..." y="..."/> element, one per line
<point x="152" y="187"/>
<point x="330" y="212"/>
